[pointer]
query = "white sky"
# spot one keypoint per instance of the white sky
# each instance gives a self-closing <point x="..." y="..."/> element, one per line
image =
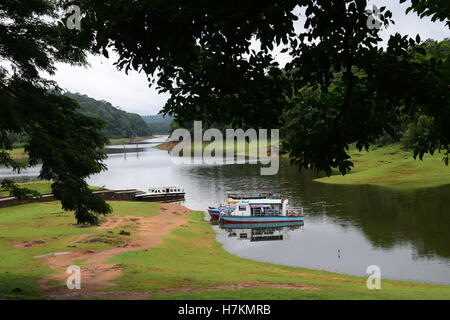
<point x="131" y="92"/>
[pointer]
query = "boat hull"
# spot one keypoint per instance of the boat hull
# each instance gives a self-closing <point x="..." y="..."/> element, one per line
<point x="260" y="219"/>
<point x="159" y="198"/>
<point x="262" y="225"/>
<point x="214" y="213"/>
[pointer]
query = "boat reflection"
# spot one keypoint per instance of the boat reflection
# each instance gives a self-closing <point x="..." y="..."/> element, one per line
<point x="260" y="231"/>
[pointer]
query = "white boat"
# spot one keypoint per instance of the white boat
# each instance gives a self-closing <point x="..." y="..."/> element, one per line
<point x="171" y="193"/>
<point x="261" y="211"/>
<point x="237" y="196"/>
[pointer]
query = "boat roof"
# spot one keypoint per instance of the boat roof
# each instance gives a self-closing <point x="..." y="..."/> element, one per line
<point x="165" y="187"/>
<point x="253" y="194"/>
<point x="262" y="201"/>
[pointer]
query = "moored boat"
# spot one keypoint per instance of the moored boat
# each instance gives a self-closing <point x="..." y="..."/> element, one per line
<point x="164" y="194"/>
<point x="214" y="213"/>
<point x="261" y="211"/>
<point x="234" y="197"/>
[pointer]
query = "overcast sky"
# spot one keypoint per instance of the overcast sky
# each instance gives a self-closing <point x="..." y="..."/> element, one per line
<point x="131" y="92"/>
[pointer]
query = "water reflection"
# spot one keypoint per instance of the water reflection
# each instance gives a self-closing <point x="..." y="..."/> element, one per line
<point x="260" y="231"/>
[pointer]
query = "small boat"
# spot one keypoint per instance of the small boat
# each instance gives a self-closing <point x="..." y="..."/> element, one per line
<point x="234" y="197"/>
<point x="265" y="226"/>
<point x="164" y="194"/>
<point x="262" y="211"/>
<point x="214" y="213"/>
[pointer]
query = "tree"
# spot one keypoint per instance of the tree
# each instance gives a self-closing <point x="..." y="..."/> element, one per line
<point x="199" y="52"/>
<point x="67" y="143"/>
<point x="436" y="9"/>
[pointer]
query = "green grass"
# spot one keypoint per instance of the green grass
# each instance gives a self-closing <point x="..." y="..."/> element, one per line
<point x="188" y="258"/>
<point x="120" y="141"/>
<point x="243" y="149"/>
<point x="48" y="223"/>
<point x="191" y="258"/>
<point x="392" y="167"/>
<point x="18" y="153"/>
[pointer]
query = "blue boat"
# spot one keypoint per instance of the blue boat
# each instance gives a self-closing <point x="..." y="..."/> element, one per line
<point x="261" y="219"/>
<point x="262" y="225"/>
<point x="223" y="208"/>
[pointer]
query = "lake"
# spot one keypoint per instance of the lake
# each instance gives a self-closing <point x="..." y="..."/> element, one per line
<point x="346" y="228"/>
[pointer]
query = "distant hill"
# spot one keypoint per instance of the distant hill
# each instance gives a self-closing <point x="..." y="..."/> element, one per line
<point x="119" y="124"/>
<point x="158" y="123"/>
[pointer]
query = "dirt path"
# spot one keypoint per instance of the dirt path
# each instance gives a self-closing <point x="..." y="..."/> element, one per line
<point x="77" y="294"/>
<point x="96" y="274"/>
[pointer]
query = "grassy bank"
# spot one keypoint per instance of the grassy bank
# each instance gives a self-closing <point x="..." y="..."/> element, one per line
<point x="189" y="263"/>
<point x="18" y="151"/>
<point x="120" y="141"/>
<point x="236" y="148"/>
<point x="390" y="166"/>
<point x="39" y="228"/>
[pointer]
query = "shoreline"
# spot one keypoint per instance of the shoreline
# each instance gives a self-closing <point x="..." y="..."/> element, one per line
<point x="185" y="262"/>
<point x="387" y="166"/>
<point x="392" y="167"/>
<point x="18" y="152"/>
<point x="119" y="141"/>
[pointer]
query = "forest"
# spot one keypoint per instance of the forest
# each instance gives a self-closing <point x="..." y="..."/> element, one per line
<point x="119" y="123"/>
<point x="158" y="123"/>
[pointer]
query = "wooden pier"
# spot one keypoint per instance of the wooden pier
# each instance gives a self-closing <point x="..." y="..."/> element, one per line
<point x="117" y="195"/>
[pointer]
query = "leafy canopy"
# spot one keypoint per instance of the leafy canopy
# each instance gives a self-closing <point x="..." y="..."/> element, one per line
<point x="67" y="143"/>
<point x="200" y="52"/>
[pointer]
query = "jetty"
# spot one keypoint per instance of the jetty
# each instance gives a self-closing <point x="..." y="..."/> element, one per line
<point x="117" y="195"/>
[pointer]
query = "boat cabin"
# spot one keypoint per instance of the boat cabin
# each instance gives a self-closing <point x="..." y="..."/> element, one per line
<point x="260" y="207"/>
<point x="165" y="190"/>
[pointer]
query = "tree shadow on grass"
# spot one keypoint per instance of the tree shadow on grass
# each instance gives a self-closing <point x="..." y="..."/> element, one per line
<point x="19" y="286"/>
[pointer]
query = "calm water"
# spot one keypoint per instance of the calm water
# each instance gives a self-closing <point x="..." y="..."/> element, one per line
<point x="407" y="234"/>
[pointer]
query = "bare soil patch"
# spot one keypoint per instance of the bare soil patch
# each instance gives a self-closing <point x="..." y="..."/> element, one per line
<point x="96" y="273"/>
<point x="27" y="244"/>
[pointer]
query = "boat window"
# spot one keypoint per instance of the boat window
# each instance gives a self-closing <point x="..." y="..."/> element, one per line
<point x="242" y="208"/>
